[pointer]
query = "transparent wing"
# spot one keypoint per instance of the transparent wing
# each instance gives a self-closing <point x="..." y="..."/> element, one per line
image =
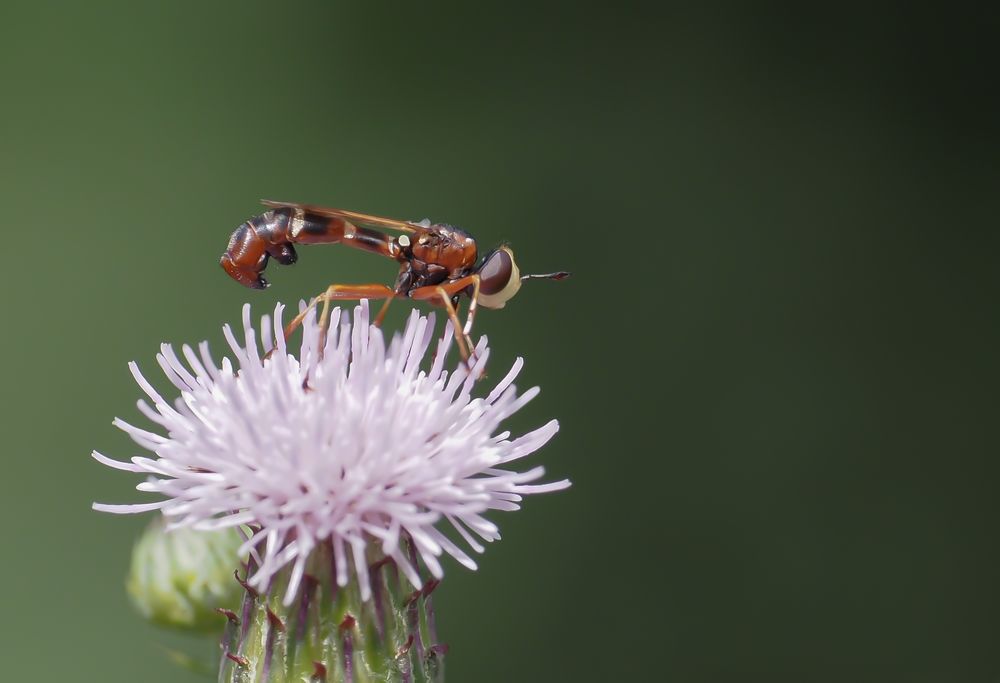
<point x="352" y="216"/>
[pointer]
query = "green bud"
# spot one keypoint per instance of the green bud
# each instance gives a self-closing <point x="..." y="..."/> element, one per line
<point x="180" y="578"/>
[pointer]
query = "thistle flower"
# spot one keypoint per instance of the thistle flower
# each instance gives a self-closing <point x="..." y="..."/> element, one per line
<point x="350" y="445"/>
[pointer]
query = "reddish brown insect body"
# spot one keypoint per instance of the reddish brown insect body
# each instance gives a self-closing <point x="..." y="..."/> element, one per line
<point x="437" y="261"/>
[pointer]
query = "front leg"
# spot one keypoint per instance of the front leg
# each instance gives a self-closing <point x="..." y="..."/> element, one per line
<point x="444" y="293"/>
<point x="458" y="286"/>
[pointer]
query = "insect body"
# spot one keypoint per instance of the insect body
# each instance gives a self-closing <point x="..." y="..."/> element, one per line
<point x="437" y="262"/>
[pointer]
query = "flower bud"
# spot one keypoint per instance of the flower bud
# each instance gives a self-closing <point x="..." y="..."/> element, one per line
<point x="180" y="578"/>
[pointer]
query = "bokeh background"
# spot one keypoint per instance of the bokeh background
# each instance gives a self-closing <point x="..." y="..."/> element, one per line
<point x="775" y="364"/>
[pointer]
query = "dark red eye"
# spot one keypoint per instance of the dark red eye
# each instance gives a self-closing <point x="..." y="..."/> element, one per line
<point x="495" y="273"/>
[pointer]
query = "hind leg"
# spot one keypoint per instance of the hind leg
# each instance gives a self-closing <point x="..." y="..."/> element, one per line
<point x="339" y="293"/>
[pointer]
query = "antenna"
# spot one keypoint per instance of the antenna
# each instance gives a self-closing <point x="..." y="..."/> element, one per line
<point x="559" y="275"/>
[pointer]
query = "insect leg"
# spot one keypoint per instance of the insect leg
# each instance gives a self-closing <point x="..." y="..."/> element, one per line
<point x="464" y="343"/>
<point x="461" y="284"/>
<point x="404" y="280"/>
<point x="431" y="292"/>
<point x="339" y="292"/>
<point x="471" y="315"/>
<point x="381" y="314"/>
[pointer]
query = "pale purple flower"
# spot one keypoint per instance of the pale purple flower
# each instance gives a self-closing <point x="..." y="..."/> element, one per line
<point x="356" y="444"/>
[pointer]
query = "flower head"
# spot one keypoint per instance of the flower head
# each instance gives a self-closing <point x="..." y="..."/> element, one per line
<point x="351" y="442"/>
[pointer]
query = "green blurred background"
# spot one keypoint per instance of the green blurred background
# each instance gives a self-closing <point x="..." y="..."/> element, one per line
<point x="775" y="365"/>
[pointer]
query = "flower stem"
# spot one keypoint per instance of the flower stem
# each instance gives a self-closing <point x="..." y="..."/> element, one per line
<point x="327" y="634"/>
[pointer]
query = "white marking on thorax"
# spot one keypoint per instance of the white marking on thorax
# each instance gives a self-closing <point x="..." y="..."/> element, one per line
<point x="404" y="241"/>
<point x="298" y="222"/>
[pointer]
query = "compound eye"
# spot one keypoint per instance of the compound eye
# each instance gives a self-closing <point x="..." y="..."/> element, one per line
<point x="496" y="272"/>
<point x="499" y="279"/>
